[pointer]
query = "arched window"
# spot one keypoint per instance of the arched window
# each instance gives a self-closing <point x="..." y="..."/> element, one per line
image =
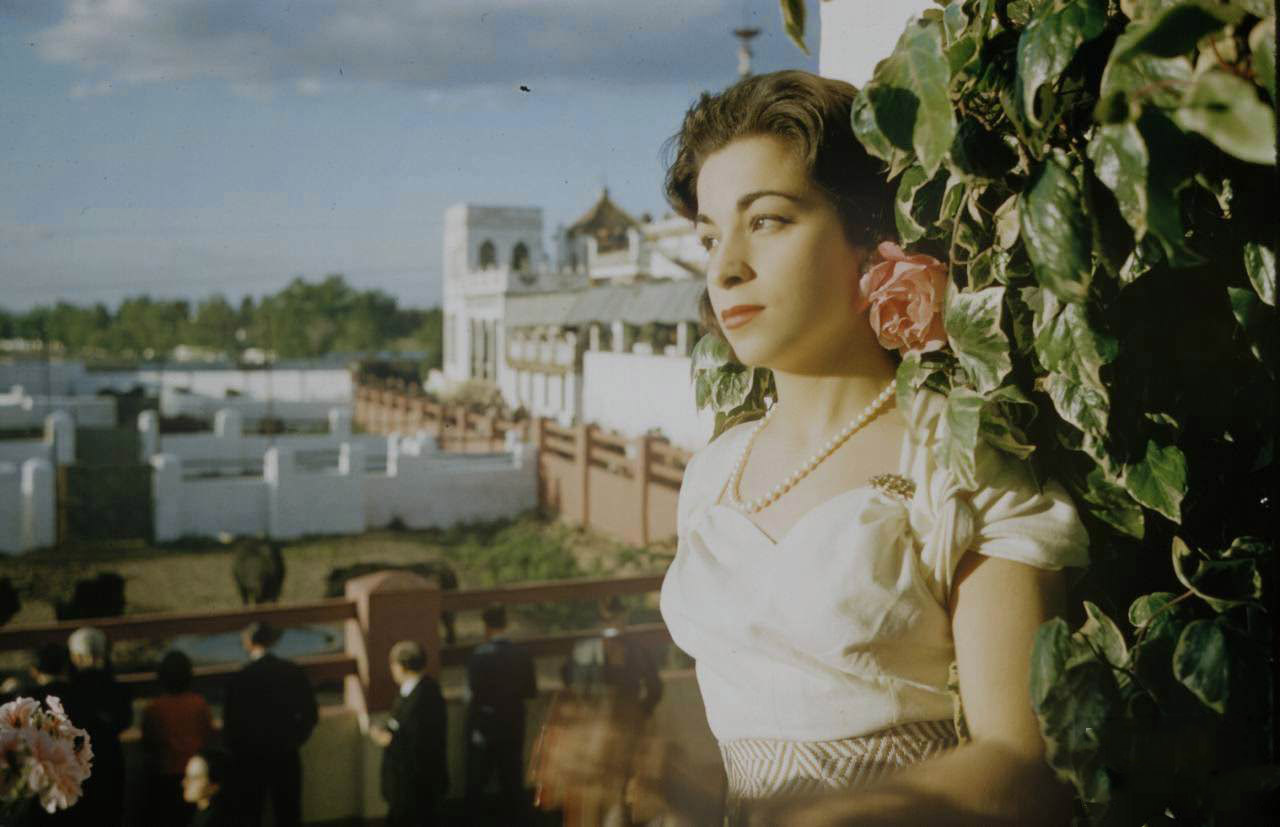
<point x="488" y="255"/>
<point x="520" y="257"/>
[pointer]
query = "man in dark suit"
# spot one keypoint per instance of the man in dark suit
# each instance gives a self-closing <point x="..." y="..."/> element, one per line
<point x="269" y="713"/>
<point x="500" y="676"/>
<point x="103" y="707"/>
<point x="415" y="775"/>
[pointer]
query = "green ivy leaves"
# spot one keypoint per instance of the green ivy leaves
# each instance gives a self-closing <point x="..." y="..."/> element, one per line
<point x="1074" y="694"/>
<point x="1159" y="479"/>
<point x="1177" y="29"/>
<point x="972" y="321"/>
<point x="1072" y="352"/>
<point x="909" y="98"/>
<point x="734" y="391"/>
<point x="1200" y="662"/>
<point x="916" y="206"/>
<point x="1055" y="231"/>
<point x="793" y="22"/>
<point x="1262" y="43"/>
<point x="1260" y="264"/>
<point x="1260" y="325"/>
<point x="1225" y="109"/>
<point x="1049" y="42"/>
<point x="958" y="435"/>
<point x="1122" y="161"/>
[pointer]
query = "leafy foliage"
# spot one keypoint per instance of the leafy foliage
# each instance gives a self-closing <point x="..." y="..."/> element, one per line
<point x="303" y="320"/>
<point x="1100" y="175"/>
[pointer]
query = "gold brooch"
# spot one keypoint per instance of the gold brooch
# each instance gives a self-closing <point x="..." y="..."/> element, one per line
<point x="895" y="485"/>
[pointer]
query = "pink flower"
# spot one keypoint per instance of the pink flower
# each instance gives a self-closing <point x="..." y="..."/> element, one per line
<point x="905" y="294"/>
<point x="53" y="771"/>
<point x="42" y="754"/>
<point x="19" y="713"/>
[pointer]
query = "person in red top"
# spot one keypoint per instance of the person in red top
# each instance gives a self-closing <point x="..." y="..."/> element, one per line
<point x="175" y="726"/>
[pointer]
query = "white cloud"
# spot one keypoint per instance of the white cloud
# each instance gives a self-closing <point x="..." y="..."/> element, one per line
<point x="321" y="45"/>
<point x="87" y="89"/>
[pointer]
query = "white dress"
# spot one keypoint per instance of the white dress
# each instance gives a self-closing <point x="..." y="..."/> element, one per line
<point x="823" y="657"/>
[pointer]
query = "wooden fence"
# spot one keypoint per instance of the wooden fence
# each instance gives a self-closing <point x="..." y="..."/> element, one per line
<point x="383" y="409"/>
<point x="378" y="610"/>
<point x="626" y="488"/>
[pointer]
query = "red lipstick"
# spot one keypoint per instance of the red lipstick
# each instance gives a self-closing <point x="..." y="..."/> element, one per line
<point x="739" y="314"/>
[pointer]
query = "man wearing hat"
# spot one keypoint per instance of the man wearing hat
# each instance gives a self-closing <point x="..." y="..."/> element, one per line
<point x="269" y="713"/>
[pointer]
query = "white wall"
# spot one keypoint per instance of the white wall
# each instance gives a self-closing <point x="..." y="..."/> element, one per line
<point x="173" y="403"/>
<point x="632" y="393"/>
<point x="228" y="450"/>
<point x="19" y="409"/>
<point x="858" y="34"/>
<point x="26" y="506"/>
<point x="552" y="395"/>
<point x="426" y="489"/>
<point x="42" y="378"/>
<point x="276" y="384"/>
<point x="421" y="487"/>
<point x="19" y="451"/>
<point x="205" y="508"/>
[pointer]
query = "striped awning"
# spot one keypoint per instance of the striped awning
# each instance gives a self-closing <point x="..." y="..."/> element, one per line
<point x="661" y="302"/>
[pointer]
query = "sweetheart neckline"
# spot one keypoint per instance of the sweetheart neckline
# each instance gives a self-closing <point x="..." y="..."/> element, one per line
<point x="786" y="535"/>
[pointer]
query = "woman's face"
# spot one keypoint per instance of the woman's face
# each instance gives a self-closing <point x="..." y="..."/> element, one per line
<point x="196" y="786"/>
<point x="781" y="274"/>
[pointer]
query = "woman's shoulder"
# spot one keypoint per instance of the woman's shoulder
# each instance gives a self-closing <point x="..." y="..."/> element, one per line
<point x="708" y="469"/>
<point x="716" y="458"/>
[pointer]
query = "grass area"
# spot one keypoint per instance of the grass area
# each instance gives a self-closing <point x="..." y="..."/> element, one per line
<point x="196" y="575"/>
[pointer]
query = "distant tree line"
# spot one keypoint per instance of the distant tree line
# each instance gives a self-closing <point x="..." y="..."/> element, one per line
<point x="303" y="320"/>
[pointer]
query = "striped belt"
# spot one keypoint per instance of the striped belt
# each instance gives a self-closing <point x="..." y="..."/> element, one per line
<point x="764" y="768"/>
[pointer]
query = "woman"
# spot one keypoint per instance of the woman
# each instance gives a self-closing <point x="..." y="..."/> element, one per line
<point x="204" y="787"/>
<point x="829" y="570"/>
<point x="175" y="726"/>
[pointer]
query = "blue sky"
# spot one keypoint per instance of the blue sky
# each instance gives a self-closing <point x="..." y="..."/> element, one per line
<point x="185" y="147"/>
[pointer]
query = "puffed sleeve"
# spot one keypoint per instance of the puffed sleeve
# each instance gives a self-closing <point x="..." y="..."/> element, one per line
<point x="705" y="476"/>
<point x="1006" y="515"/>
<point x="688" y="497"/>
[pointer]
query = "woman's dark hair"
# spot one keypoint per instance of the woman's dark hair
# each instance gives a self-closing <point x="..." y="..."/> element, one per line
<point x="174" y="673"/>
<point x="812" y="115"/>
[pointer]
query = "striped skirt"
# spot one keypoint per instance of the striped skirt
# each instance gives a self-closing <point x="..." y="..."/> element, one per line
<point x="759" y="768"/>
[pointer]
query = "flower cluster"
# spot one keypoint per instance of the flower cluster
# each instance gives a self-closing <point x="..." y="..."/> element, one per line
<point x="42" y="754"/>
<point x="905" y="294"/>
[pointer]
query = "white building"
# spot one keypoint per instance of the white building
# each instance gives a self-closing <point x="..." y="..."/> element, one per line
<point x="618" y="301"/>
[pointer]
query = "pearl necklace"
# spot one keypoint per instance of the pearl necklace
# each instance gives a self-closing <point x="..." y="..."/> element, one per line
<point x="759" y="503"/>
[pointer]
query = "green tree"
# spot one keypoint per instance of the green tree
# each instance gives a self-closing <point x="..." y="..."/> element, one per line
<point x="214" y="326"/>
<point x="146" y="326"/>
<point x="429" y="337"/>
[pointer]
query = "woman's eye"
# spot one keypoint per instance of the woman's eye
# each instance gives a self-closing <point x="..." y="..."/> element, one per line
<point x="708" y="242"/>
<point x="764" y="222"/>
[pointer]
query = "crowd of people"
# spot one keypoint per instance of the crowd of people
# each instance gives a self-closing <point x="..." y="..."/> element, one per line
<point x="197" y="772"/>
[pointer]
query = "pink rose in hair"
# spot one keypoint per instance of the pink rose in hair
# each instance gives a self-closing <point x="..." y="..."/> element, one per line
<point x="905" y="294"/>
